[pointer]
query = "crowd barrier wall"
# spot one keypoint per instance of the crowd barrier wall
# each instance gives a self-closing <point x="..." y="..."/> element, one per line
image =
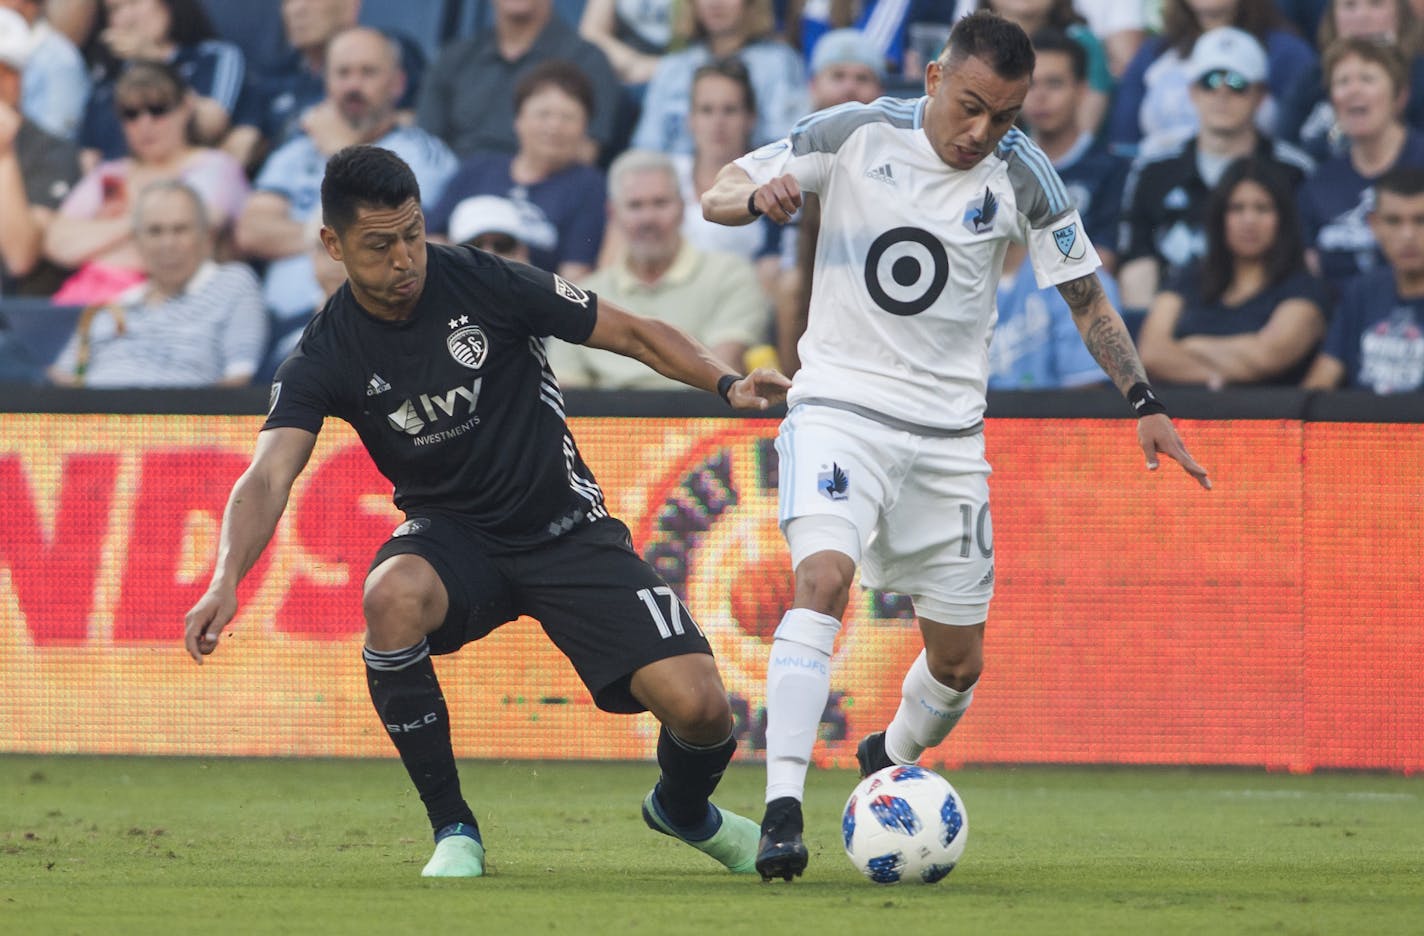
<point x="1274" y="621"/>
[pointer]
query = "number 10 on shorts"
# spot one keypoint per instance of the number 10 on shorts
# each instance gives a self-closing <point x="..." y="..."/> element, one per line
<point x="976" y="530"/>
<point x="670" y="623"/>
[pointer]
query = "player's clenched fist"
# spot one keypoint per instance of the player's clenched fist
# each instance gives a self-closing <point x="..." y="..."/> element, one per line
<point x="206" y="620"/>
<point x="778" y="199"/>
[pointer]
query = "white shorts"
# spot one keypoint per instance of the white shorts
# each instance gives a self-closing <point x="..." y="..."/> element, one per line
<point x="919" y="505"/>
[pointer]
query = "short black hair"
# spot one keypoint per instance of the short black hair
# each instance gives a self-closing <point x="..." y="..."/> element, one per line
<point x="1052" y="39"/>
<point x="734" y="70"/>
<point x="555" y="73"/>
<point x="364" y="175"/>
<point x="999" y="43"/>
<point x="1405" y="181"/>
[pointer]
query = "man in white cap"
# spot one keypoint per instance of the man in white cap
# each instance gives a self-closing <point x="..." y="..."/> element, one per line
<point x="37" y="170"/>
<point x="499" y="226"/>
<point x="1164" y="204"/>
<point x="845" y="66"/>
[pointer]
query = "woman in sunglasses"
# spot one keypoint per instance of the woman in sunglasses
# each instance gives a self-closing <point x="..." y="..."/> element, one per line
<point x="1249" y="312"/>
<point x="93" y="233"/>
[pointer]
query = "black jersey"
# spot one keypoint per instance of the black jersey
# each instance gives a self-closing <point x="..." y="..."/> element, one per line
<point x="456" y="405"/>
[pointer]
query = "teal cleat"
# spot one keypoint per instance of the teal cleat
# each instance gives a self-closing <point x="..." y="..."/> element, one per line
<point x="734" y="844"/>
<point x="458" y="853"/>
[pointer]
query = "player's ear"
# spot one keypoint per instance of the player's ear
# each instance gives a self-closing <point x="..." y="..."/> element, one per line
<point x="934" y="74"/>
<point x="331" y="242"/>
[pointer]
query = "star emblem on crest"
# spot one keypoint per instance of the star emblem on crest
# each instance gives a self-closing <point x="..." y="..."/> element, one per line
<point x="462" y="320"/>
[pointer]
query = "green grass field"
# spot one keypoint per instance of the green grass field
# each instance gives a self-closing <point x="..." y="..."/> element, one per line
<point x="133" y="845"/>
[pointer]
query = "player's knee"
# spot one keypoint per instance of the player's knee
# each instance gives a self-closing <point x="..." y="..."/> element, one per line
<point x="823" y="582"/>
<point x="699" y="714"/>
<point x="955" y="667"/>
<point x="403" y="601"/>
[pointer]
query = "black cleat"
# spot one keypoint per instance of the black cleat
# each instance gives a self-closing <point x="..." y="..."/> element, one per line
<point x="781" y="853"/>
<point x="870" y="754"/>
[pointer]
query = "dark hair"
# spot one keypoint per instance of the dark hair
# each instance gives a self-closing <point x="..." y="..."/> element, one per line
<point x="1384" y="54"/>
<point x="364" y="175"/>
<point x="565" y="76"/>
<point x="188" y="25"/>
<point x="1286" y="254"/>
<point x="1405" y="181"/>
<point x="1051" y="40"/>
<point x="1181" y="28"/>
<point x="150" y="76"/>
<point x="733" y="69"/>
<point x="1061" y="14"/>
<point x="999" y="43"/>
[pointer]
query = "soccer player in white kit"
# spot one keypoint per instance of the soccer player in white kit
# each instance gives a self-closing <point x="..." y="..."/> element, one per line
<point x="882" y="451"/>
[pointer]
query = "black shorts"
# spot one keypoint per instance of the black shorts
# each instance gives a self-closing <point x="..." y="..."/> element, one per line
<point x="599" y="602"/>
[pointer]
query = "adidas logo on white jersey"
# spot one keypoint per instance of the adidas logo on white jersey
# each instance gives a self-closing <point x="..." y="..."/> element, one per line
<point x="881" y="173"/>
<point x="377" y="384"/>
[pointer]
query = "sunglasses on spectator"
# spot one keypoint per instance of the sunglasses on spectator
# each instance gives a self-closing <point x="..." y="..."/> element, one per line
<point x="1223" y="78"/>
<point x="496" y="243"/>
<point x="163" y="109"/>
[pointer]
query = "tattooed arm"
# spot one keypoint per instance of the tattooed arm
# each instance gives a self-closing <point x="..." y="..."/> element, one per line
<point x="1103" y="331"/>
<point x="1107" y="338"/>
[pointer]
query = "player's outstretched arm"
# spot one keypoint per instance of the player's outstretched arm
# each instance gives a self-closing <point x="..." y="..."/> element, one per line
<point x="673" y="353"/>
<point x="253" y="509"/>
<point x="1111" y="345"/>
<point x="734" y="195"/>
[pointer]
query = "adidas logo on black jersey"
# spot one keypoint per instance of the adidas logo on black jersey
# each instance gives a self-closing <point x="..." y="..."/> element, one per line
<point x="881" y="173"/>
<point x="377" y="384"/>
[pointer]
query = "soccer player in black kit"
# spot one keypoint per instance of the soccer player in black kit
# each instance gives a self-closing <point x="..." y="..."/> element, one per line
<point x="434" y="355"/>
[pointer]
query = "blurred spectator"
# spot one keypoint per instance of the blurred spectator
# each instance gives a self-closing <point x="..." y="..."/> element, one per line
<point x="1152" y="101"/>
<point x="462" y="100"/>
<point x="193" y="322"/>
<point x="718" y="29"/>
<point x="496" y="225"/>
<point x="281" y="222"/>
<point x="1250" y="313"/>
<point x="1034" y="15"/>
<point x="1367" y="90"/>
<point x="723" y="114"/>
<point x="562" y="198"/>
<point x="886" y="27"/>
<point x="1166" y="193"/>
<point x="272" y="104"/>
<point x="36" y="172"/>
<point x="1307" y="118"/>
<point x="1036" y="344"/>
<point x="712" y="296"/>
<point x="1376" y="336"/>
<point x="1119" y="26"/>
<point x="845" y="66"/>
<point x="74" y="19"/>
<point x="172" y="32"/>
<point x="56" y="78"/>
<point x="93" y="232"/>
<point x="1093" y="176"/>
<point x="634" y="34"/>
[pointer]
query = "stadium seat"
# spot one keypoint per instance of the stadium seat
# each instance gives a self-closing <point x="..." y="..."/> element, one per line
<point x="431" y="23"/>
<point x="32" y="333"/>
<point x="255" y="26"/>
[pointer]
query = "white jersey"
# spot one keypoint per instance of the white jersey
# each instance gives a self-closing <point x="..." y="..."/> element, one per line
<point x="910" y="255"/>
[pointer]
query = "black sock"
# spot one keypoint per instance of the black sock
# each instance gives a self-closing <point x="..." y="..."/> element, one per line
<point x="689" y="775"/>
<point x="407" y="697"/>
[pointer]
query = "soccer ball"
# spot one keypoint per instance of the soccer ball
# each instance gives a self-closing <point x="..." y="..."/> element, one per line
<point x="904" y="823"/>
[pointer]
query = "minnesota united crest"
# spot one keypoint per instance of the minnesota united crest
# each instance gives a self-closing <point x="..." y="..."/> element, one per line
<point x="834" y="484"/>
<point x="467" y="343"/>
<point x="979" y="219"/>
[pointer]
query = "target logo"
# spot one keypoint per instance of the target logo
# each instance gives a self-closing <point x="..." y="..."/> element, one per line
<point x="906" y="270"/>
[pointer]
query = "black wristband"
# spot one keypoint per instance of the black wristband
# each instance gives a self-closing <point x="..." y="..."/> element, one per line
<point x="724" y="386"/>
<point x="752" y="209"/>
<point x="1144" y="401"/>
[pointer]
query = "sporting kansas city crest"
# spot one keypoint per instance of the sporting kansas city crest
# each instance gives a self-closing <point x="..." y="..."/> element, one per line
<point x="980" y="218"/>
<point x="1070" y="245"/>
<point x="835" y="484"/>
<point x="467" y="343"/>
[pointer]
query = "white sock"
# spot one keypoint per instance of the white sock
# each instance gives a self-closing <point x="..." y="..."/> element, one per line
<point x="798" y="682"/>
<point x="928" y="711"/>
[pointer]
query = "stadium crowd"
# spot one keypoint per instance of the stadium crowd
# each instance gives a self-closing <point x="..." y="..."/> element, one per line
<point x="1251" y="171"/>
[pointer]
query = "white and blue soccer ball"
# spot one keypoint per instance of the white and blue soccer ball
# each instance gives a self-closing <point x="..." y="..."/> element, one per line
<point x="904" y="823"/>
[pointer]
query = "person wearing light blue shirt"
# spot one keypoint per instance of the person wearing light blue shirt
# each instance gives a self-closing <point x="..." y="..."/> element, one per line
<point x="1036" y="346"/>
<point x="56" y="80"/>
